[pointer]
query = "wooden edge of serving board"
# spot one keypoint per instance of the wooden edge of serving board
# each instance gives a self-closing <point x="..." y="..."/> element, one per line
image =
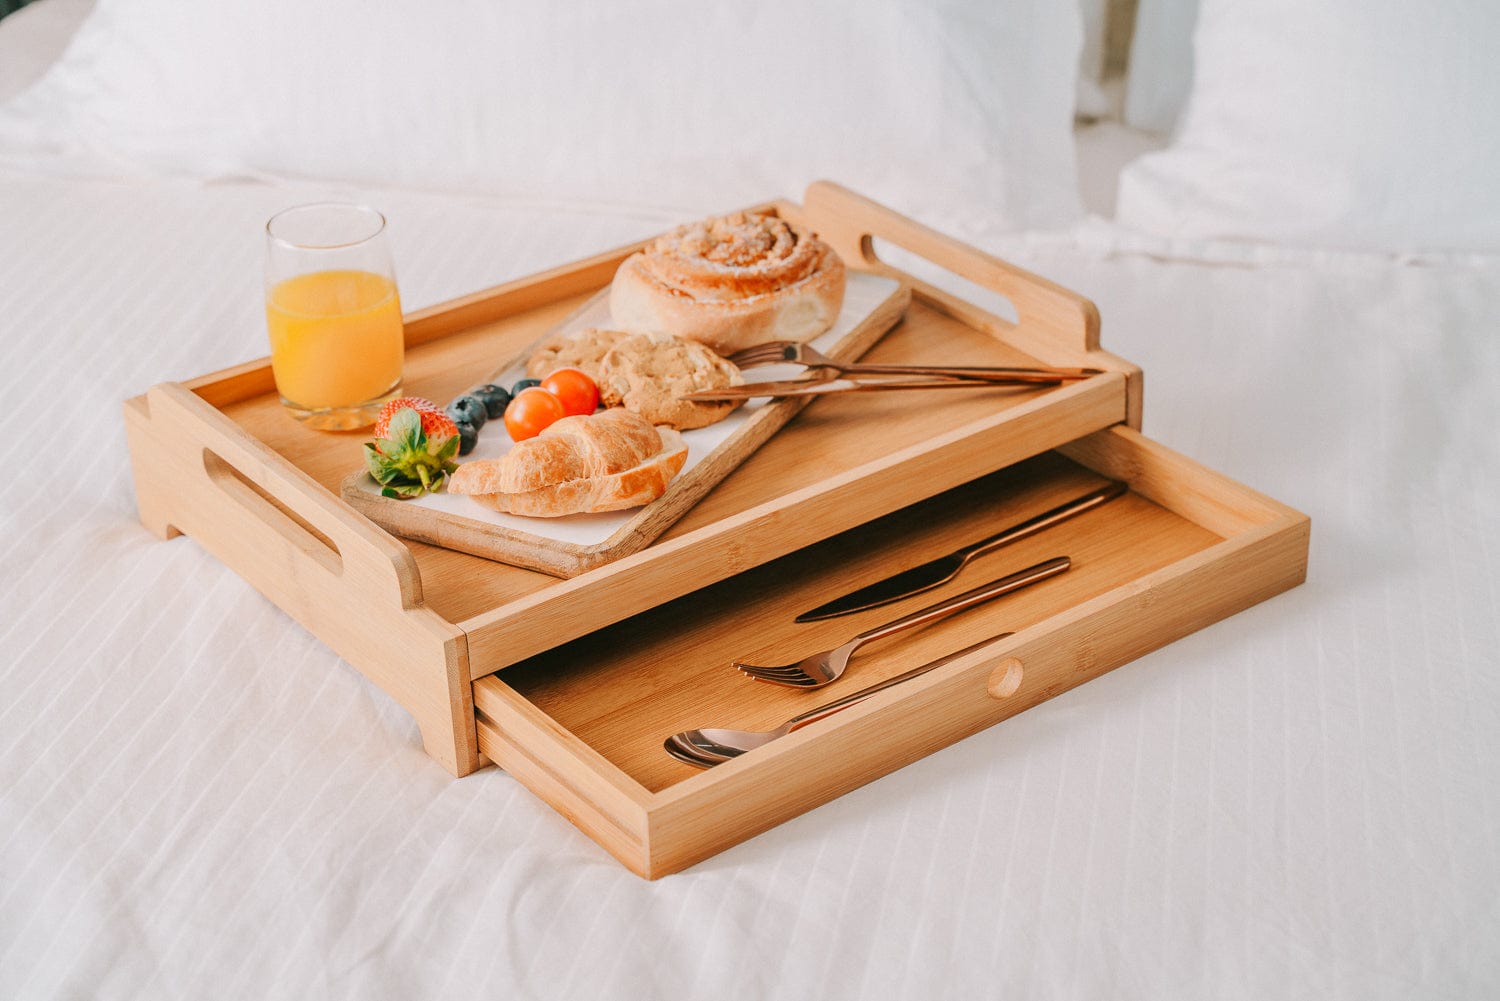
<point x="560" y="557"/>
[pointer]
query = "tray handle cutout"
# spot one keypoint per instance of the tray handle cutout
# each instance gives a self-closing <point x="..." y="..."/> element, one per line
<point x="277" y="516"/>
<point x="296" y="526"/>
<point x="1045" y="312"/>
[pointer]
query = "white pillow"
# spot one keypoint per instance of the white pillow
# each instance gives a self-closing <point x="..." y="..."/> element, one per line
<point x="1348" y="124"/>
<point x="958" y="112"/>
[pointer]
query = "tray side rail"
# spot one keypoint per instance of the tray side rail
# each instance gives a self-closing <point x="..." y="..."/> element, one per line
<point x="354" y="587"/>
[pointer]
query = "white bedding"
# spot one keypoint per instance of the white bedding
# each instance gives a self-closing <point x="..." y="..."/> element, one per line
<point x="198" y="799"/>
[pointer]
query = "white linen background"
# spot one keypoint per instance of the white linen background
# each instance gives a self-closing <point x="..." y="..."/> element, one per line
<point x="198" y="797"/>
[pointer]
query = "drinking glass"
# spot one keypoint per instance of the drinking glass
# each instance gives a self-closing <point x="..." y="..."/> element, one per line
<point x="333" y="314"/>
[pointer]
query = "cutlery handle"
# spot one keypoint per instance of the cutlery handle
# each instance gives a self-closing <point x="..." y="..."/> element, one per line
<point x="813" y="715"/>
<point x="1042" y="521"/>
<point x="977" y="596"/>
<point x="976" y="374"/>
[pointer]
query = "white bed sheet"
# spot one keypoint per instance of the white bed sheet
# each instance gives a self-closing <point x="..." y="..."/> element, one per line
<point x="198" y="797"/>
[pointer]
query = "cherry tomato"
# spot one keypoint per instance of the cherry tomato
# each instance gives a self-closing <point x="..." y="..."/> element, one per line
<point x="578" y="392"/>
<point x="530" y="411"/>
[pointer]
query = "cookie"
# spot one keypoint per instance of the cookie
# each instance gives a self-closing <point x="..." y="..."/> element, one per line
<point x="584" y="350"/>
<point x="648" y="372"/>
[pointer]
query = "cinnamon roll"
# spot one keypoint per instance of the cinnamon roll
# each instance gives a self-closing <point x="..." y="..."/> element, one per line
<point x="730" y="282"/>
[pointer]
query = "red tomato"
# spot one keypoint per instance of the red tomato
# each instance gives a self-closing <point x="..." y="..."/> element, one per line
<point x="530" y="411"/>
<point x="577" y="391"/>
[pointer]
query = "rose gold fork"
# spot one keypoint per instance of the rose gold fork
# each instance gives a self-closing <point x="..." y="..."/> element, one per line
<point x="824" y="668"/>
<point x="773" y="352"/>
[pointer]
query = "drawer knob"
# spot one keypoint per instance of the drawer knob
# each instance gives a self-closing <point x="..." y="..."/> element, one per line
<point x="1006" y="678"/>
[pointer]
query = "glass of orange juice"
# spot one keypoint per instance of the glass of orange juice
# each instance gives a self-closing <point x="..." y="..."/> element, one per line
<point x="333" y="314"/>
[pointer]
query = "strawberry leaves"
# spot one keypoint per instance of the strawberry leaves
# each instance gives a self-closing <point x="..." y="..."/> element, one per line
<point x="409" y="462"/>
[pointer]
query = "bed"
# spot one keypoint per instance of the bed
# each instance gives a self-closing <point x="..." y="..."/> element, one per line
<point x="197" y="796"/>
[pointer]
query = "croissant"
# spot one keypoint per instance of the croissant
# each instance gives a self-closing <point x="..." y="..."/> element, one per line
<point x="607" y="461"/>
<point x="730" y="282"/>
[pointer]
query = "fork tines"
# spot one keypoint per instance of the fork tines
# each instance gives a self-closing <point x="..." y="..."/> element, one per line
<point x="763" y="353"/>
<point x="779" y="675"/>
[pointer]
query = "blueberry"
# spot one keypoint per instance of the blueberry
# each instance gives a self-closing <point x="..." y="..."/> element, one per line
<point x="468" y="437"/>
<point x="493" y="397"/>
<point x="523" y="384"/>
<point x="468" y="409"/>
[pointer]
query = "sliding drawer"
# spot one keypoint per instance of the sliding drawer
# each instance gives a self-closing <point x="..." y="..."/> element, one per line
<point x="582" y="724"/>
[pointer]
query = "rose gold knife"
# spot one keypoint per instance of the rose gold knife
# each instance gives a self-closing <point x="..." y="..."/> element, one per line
<point x="820" y="387"/>
<point x="926" y="576"/>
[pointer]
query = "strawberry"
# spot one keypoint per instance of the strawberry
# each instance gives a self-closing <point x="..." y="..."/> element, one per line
<point x="413" y="448"/>
<point x="418" y="403"/>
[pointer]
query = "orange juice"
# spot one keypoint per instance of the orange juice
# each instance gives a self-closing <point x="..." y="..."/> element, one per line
<point x="336" y="338"/>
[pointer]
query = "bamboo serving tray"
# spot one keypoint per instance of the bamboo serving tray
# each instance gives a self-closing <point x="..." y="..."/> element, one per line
<point x="571" y="684"/>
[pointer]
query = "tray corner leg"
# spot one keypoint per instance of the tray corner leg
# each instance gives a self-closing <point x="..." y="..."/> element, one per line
<point x="443" y="744"/>
<point x="442" y="703"/>
<point x="152" y="497"/>
<point x="154" y="520"/>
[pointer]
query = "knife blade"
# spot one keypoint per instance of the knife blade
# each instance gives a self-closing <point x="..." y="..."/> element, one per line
<point x="934" y="573"/>
<point x="820" y="387"/>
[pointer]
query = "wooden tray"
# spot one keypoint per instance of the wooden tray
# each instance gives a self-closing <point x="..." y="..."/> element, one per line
<point x="494" y="663"/>
<point x="566" y="547"/>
